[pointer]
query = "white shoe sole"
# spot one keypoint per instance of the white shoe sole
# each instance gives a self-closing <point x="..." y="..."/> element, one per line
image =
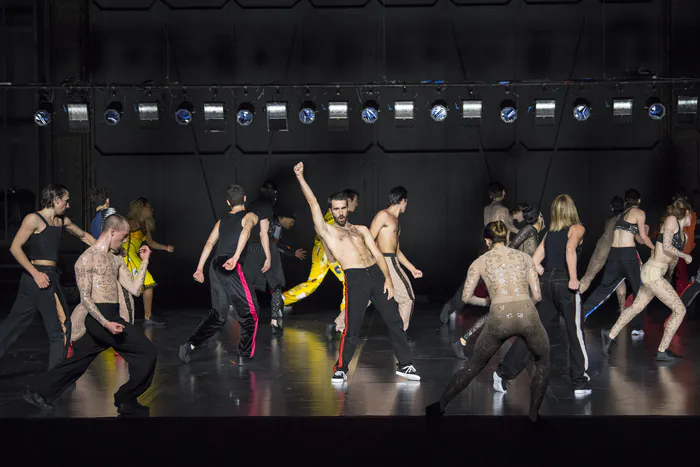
<point x="338" y="381"/>
<point x="412" y="376"/>
<point x="498" y="383"/>
<point x="582" y="392"/>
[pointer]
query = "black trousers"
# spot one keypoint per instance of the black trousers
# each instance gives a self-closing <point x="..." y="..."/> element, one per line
<point x="456" y="302"/>
<point x="622" y="263"/>
<point x="557" y="300"/>
<point x="229" y="289"/>
<point x="30" y="300"/>
<point x="274" y="277"/>
<point x="132" y="345"/>
<point x="690" y="293"/>
<point x="362" y="285"/>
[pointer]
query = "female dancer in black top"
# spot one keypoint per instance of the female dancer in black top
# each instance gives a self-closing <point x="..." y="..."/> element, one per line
<point x="509" y="275"/>
<point x="655" y="284"/>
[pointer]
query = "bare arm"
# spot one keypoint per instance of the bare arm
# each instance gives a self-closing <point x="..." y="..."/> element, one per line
<point x="404" y="261"/>
<point x="372" y="247"/>
<point x="329" y="254"/>
<point x="264" y="239"/>
<point x="508" y="220"/>
<point x="78" y="232"/>
<point x="206" y="251"/>
<point x="155" y="245"/>
<point x="575" y="235"/>
<point x="84" y="269"/>
<point x="641" y="224"/>
<point x="669" y="228"/>
<point x="320" y="225"/>
<point x="533" y="280"/>
<point x="30" y="224"/>
<point x="472" y="280"/>
<point x="247" y="225"/>
<point x="133" y="284"/>
<point x="538" y="257"/>
<point x="378" y="223"/>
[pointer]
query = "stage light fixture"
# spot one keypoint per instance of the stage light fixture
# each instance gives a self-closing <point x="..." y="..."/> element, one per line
<point x="439" y="111"/>
<point x="582" y="110"/>
<point x="471" y="109"/>
<point x="370" y="112"/>
<point x="44" y="114"/>
<point x="403" y="110"/>
<point x="338" y="116"/>
<point x="656" y="109"/>
<point x="622" y="107"/>
<point x="113" y="113"/>
<point x="307" y="114"/>
<point x="214" y="116"/>
<point x="545" y="108"/>
<point x="78" y="118"/>
<point x="509" y="112"/>
<point x="148" y="112"/>
<point x="276" y="116"/>
<point x="687" y="105"/>
<point x="183" y="114"/>
<point x="245" y="114"/>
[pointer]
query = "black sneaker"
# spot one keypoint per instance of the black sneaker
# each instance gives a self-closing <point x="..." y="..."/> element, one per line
<point x="408" y="372"/>
<point x="606" y="340"/>
<point x="277" y="329"/>
<point x="459" y="349"/>
<point x="132" y="409"/>
<point x="37" y="400"/>
<point x="499" y="384"/>
<point x="185" y="352"/>
<point x="445" y="313"/>
<point x="155" y="322"/>
<point x="583" y="389"/>
<point x="667" y="356"/>
<point x="330" y="332"/>
<point x="339" y="377"/>
<point x="433" y="416"/>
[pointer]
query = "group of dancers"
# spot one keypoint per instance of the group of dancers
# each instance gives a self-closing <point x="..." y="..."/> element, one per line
<point x="527" y="277"/>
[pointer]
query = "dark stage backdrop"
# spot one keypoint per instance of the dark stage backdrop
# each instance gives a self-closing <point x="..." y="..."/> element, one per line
<point x="445" y="167"/>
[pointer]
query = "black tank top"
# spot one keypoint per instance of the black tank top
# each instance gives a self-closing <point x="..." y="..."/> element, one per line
<point x="555" y="249"/>
<point x="229" y="232"/>
<point x="46" y="244"/>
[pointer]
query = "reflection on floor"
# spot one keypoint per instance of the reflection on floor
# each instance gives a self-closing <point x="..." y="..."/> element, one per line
<point x="290" y="376"/>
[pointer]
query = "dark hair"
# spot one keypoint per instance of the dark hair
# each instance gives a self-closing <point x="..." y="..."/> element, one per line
<point x="495" y="190"/>
<point x="632" y="197"/>
<point x="97" y="196"/>
<point x="268" y="185"/>
<point x="116" y="222"/>
<point x="397" y="194"/>
<point x="522" y="207"/>
<point x="235" y="195"/>
<point x="350" y="194"/>
<point x="617" y="204"/>
<point x="337" y="196"/>
<point x="496" y="232"/>
<point x="530" y="215"/>
<point x="49" y="194"/>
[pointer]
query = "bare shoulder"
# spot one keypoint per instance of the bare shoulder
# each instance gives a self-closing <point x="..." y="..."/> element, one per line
<point x="361" y="229"/>
<point x="671" y="222"/>
<point x="251" y="216"/>
<point x="67" y="221"/>
<point x="86" y="258"/>
<point x="32" y="220"/>
<point x="577" y="229"/>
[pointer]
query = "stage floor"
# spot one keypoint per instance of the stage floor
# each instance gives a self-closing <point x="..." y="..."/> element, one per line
<point x="290" y="376"/>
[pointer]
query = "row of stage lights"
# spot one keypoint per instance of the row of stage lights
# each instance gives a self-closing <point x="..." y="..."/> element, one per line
<point x="214" y="112"/>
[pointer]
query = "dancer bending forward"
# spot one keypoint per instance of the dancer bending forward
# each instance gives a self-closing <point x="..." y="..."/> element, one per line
<point x="654" y="282"/>
<point x="508" y="273"/>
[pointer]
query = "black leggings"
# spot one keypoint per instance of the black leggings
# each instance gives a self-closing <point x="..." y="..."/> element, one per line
<point x="622" y="263"/>
<point x="274" y="277"/>
<point x="505" y="321"/>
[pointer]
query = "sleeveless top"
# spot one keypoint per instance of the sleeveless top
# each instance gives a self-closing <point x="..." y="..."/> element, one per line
<point x="622" y="224"/>
<point x="677" y="240"/>
<point x="46" y="244"/>
<point x="555" y="249"/>
<point x="229" y="232"/>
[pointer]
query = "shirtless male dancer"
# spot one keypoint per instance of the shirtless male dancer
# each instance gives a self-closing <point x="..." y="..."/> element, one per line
<point x="366" y="277"/>
<point x="494" y="211"/>
<point x="385" y="229"/>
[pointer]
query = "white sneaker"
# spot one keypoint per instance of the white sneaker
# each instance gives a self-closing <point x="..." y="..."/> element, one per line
<point x="638" y="333"/>
<point x="408" y="372"/>
<point x="339" y="377"/>
<point x="498" y="383"/>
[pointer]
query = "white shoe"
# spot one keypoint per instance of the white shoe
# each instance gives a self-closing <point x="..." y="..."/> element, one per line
<point x="408" y="372"/>
<point x="339" y="377"/>
<point x="637" y="333"/>
<point x="498" y="383"/>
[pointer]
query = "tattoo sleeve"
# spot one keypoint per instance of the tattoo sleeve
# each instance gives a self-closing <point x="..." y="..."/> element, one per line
<point x="84" y="268"/>
<point x="133" y="285"/>
<point x="669" y="249"/>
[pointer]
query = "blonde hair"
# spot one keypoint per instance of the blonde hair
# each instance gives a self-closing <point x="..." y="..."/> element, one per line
<point x="677" y="209"/>
<point x="564" y="213"/>
<point x="136" y="213"/>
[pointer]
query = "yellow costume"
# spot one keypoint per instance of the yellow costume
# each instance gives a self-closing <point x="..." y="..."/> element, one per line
<point x="319" y="269"/>
<point x="132" y="243"/>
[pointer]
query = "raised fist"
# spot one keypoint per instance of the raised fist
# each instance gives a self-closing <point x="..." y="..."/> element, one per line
<point x="299" y="169"/>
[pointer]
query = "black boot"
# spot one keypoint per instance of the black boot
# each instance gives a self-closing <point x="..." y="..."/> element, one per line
<point x="667" y="356"/>
<point x="37" y="400"/>
<point x="460" y="349"/>
<point x="445" y="313"/>
<point x="606" y="340"/>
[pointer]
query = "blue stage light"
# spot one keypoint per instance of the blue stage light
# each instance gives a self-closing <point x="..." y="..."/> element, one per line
<point x="370" y="114"/>
<point x="244" y="117"/>
<point x="509" y="113"/>
<point x="438" y="112"/>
